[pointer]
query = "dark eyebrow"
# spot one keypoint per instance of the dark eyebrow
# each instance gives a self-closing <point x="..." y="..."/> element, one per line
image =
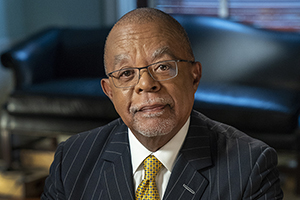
<point x="160" y="52"/>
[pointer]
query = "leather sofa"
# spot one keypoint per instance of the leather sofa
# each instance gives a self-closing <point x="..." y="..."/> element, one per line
<point x="251" y="80"/>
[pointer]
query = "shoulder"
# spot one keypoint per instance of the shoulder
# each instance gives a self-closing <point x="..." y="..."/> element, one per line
<point x="225" y="136"/>
<point x="97" y="137"/>
<point x="245" y="162"/>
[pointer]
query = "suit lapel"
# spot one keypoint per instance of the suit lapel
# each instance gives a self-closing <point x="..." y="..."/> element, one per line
<point x="186" y="181"/>
<point x="118" y="171"/>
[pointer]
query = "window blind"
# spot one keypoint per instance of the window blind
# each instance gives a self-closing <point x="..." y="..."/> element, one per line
<point x="271" y="14"/>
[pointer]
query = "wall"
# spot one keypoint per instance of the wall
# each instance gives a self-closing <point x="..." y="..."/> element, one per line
<point x="76" y="13"/>
<point x="11" y="26"/>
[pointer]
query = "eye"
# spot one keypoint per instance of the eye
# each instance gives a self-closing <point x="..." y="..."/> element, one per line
<point x="126" y="73"/>
<point x="163" y="67"/>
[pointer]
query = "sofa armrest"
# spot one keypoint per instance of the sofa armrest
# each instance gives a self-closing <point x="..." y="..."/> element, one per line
<point x="33" y="59"/>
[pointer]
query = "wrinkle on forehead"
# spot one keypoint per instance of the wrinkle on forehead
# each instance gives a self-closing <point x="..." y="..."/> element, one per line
<point x="157" y="54"/>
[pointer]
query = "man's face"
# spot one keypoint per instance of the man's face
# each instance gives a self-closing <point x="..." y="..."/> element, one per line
<point x="151" y="108"/>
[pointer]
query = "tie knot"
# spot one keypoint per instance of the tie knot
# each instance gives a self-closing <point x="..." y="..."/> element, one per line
<point x="151" y="166"/>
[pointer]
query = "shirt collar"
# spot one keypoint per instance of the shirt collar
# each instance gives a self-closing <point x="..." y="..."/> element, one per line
<point x="166" y="154"/>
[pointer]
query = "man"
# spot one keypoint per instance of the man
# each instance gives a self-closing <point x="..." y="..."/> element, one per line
<point x="152" y="80"/>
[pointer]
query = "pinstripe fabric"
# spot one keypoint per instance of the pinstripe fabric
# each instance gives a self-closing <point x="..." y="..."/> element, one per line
<point x="216" y="161"/>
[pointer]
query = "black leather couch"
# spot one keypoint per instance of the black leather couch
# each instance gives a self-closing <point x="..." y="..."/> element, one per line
<point x="251" y="80"/>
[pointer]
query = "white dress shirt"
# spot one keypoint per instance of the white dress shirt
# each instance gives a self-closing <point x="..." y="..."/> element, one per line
<point x="166" y="155"/>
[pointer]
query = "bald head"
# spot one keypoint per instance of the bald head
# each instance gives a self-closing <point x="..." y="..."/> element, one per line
<point x="150" y="15"/>
<point x="145" y="15"/>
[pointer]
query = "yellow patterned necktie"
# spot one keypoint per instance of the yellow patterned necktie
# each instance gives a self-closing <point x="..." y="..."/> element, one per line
<point x="147" y="188"/>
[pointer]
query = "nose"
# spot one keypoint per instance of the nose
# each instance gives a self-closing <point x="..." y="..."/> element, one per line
<point x="147" y="83"/>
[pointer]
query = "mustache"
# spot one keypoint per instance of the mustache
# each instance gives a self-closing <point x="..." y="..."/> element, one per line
<point x="159" y="100"/>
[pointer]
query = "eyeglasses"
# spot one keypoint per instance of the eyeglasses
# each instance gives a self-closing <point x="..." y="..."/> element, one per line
<point x="160" y="71"/>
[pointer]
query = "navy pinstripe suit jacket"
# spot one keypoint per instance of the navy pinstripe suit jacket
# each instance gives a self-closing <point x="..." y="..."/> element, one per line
<point x="216" y="161"/>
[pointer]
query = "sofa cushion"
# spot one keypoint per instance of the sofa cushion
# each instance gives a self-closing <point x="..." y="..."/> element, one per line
<point x="76" y="98"/>
<point x="250" y="109"/>
<point x="68" y="87"/>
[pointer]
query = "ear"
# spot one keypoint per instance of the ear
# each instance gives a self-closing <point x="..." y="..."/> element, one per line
<point x="196" y="73"/>
<point x="106" y="87"/>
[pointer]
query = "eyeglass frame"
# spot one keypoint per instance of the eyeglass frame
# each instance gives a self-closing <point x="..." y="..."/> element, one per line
<point x="147" y="67"/>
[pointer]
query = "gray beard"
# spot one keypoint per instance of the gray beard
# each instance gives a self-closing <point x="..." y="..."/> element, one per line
<point x="163" y="127"/>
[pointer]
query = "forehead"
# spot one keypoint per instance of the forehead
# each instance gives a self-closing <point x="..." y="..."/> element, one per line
<point x="150" y="40"/>
<point x="157" y="53"/>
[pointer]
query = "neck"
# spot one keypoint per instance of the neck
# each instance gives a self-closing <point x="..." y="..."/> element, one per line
<point x="154" y="143"/>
